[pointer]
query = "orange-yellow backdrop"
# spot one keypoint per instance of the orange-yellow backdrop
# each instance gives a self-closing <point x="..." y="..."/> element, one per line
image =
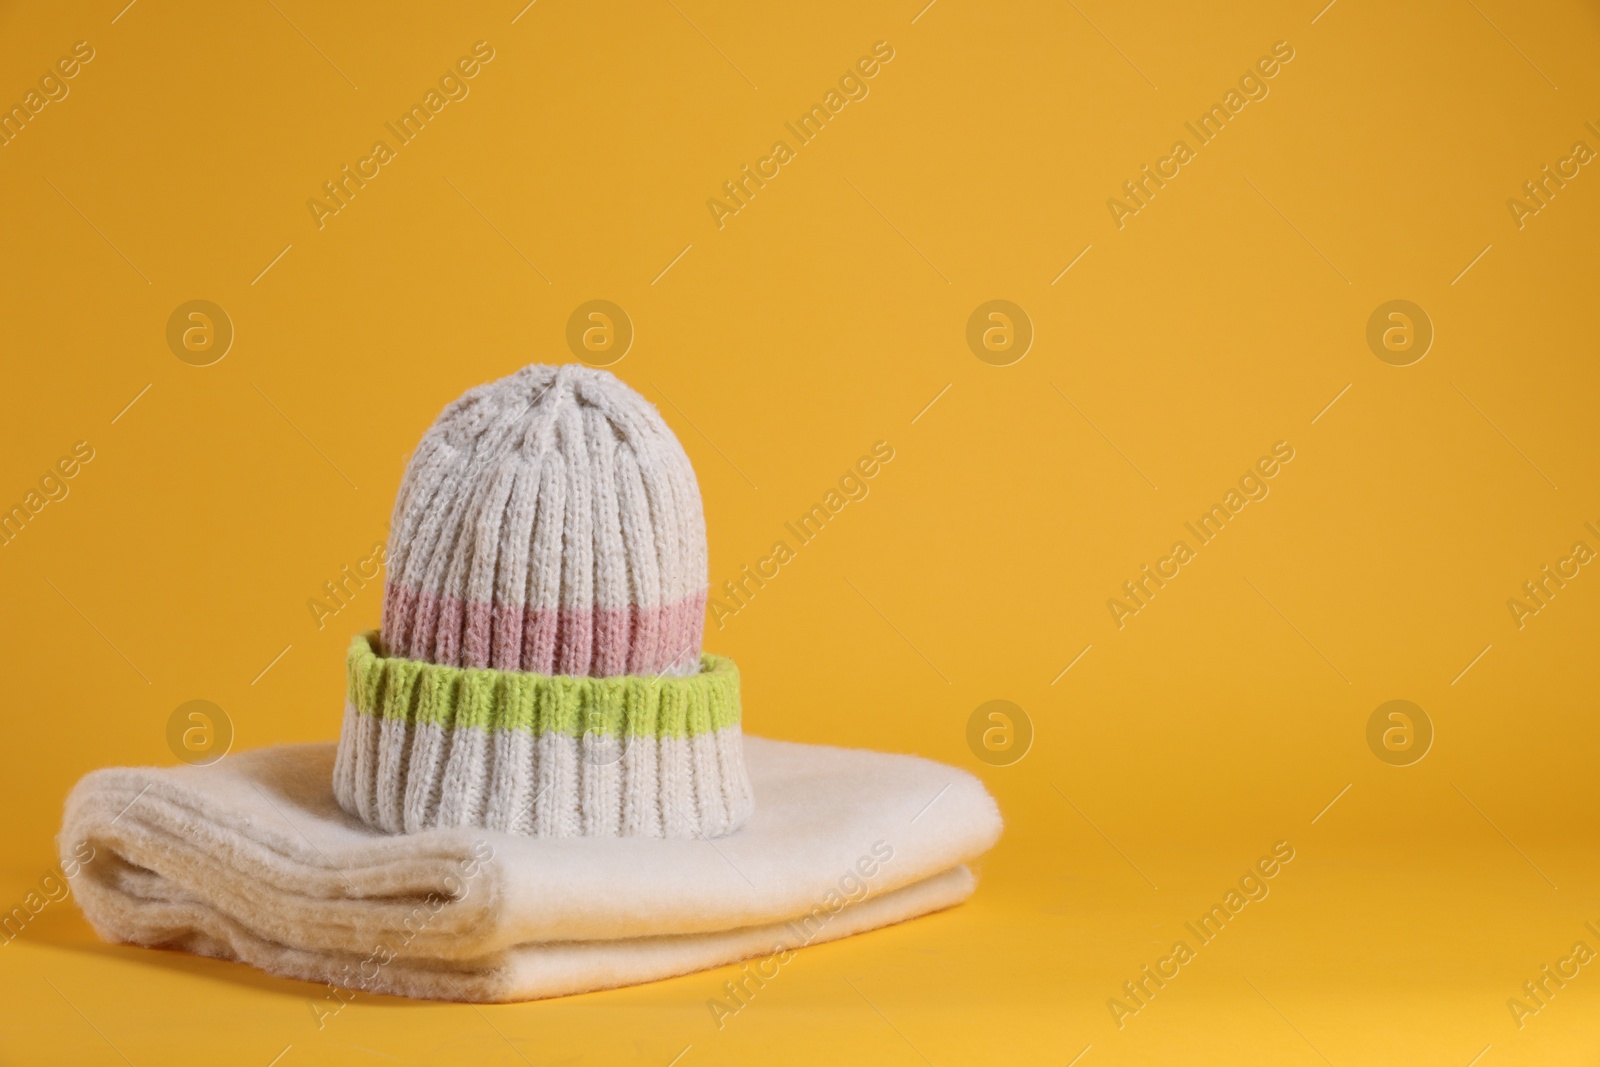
<point x="1229" y="312"/>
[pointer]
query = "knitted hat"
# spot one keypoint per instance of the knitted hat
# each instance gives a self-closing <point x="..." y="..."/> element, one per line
<point x="539" y="667"/>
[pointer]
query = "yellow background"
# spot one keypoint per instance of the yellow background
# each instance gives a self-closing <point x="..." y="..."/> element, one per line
<point x="823" y="317"/>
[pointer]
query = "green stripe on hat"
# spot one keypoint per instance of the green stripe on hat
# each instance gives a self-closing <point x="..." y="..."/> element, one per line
<point x="421" y="693"/>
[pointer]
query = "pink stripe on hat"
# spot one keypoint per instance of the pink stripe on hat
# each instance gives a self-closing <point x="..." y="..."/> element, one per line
<point x="600" y="642"/>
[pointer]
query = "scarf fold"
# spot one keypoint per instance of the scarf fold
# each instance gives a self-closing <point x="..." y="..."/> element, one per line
<point x="252" y="859"/>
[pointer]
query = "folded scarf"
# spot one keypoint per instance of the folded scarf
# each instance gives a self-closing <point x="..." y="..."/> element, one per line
<point x="252" y="859"/>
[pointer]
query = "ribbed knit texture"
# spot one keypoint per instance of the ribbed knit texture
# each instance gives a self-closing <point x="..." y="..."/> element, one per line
<point x="549" y="522"/>
<point x="556" y="756"/>
<point x="539" y="667"/>
<point x="625" y="706"/>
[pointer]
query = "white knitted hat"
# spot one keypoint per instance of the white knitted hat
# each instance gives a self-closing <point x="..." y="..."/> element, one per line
<point x="539" y="667"/>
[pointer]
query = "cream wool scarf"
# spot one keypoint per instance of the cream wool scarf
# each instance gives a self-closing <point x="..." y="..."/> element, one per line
<point x="252" y="859"/>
